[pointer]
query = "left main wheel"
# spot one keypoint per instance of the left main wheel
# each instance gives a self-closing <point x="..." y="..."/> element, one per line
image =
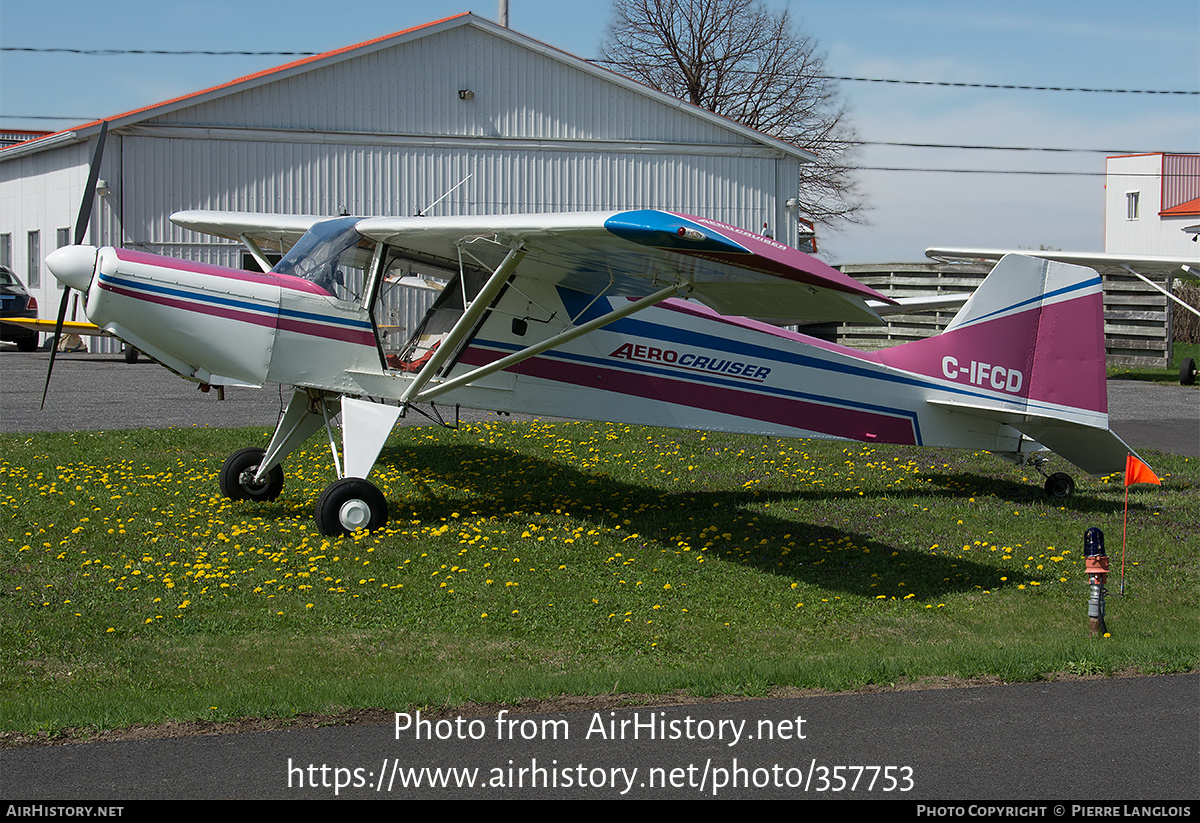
<point x="1060" y="485"/>
<point x="350" y="504"/>
<point x="237" y="477"/>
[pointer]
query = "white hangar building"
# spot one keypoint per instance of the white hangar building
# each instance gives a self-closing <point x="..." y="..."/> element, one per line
<point x="460" y="116"/>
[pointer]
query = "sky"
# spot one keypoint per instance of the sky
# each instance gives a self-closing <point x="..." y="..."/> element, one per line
<point x="1097" y="44"/>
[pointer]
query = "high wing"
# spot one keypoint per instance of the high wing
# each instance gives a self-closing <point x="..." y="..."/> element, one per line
<point x="634" y="254"/>
<point x="277" y="232"/>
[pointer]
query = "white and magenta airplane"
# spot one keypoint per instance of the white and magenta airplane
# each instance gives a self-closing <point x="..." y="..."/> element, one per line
<point x="643" y="317"/>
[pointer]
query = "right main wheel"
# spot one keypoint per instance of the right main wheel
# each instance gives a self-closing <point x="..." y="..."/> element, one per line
<point x="350" y="504"/>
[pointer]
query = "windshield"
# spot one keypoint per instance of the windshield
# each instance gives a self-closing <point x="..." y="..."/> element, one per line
<point x="333" y="256"/>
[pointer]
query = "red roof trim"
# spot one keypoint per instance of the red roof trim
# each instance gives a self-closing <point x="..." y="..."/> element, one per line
<point x="1190" y="208"/>
<point x="264" y="73"/>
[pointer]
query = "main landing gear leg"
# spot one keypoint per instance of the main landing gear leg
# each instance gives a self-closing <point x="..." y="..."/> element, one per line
<point x="352" y="502"/>
<point x="255" y="474"/>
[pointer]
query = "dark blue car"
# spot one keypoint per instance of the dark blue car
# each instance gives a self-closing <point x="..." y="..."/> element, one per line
<point x="15" y="301"/>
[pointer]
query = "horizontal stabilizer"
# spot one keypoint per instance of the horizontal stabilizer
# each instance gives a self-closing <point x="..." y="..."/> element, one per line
<point x="1095" y="450"/>
<point x="1152" y="265"/>
<point x="919" y="303"/>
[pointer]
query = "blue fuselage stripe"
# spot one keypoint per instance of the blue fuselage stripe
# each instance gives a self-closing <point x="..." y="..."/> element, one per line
<point x="268" y="309"/>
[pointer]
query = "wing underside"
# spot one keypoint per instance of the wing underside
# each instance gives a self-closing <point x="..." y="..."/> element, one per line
<point x="615" y="254"/>
<point x="635" y="254"/>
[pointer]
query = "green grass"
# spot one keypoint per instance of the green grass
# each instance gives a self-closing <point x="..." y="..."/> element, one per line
<point x="531" y="560"/>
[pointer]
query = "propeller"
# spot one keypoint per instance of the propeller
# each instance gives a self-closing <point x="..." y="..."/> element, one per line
<point x="81" y="226"/>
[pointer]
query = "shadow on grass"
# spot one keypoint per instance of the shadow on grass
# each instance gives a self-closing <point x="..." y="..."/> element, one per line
<point x="496" y="483"/>
<point x="1024" y="494"/>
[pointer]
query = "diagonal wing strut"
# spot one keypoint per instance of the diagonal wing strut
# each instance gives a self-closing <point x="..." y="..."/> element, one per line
<point x="674" y="290"/>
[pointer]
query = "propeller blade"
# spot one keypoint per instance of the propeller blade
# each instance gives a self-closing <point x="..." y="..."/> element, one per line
<point x="81" y="226"/>
<point x="62" y="314"/>
<point x="89" y="191"/>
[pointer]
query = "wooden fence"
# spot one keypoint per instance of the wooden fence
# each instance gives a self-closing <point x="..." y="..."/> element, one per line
<point x="1137" y="322"/>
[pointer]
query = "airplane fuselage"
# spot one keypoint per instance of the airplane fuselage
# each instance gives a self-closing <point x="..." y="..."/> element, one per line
<point x="677" y="364"/>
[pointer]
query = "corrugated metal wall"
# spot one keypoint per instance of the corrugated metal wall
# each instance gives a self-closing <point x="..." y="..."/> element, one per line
<point x="1181" y="179"/>
<point x="413" y="89"/>
<point x="161" y="175"/>
<point x="329" y="178"/>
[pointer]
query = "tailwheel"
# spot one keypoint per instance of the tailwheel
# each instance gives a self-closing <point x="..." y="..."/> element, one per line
<point x="350" y="504"/>
<point x="1060" y="484"/>
<point x="237" y="477"/>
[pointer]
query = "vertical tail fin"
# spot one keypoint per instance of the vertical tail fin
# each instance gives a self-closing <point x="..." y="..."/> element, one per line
<point x="1027" y="349"/>
<point x="1033" y="331"/>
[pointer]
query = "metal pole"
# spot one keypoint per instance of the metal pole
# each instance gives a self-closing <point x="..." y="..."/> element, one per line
<point x="1096" y="563"/>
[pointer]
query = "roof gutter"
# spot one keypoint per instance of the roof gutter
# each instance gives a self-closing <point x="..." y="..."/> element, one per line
<point x="62" y="138"/>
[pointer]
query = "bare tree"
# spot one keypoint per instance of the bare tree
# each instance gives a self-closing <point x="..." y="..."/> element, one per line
<point x="740" y="60"/>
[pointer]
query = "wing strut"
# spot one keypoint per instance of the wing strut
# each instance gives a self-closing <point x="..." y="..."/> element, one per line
<point x="677" y="289"/>
<point x="255" y="251"/>
<point x="466" y="323"/>
<point x="1157" y="287"/>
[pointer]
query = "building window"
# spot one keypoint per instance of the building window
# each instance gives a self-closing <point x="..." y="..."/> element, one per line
<point x="6" y="250"/>
<point x="1131" y="205"/>
<point x="34" y="280"/>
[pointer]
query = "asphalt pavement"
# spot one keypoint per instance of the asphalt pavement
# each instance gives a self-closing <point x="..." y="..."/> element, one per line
<point x="1088" y="746"/>
<point x="1095" y="743"/>
<point x="95" y="392"/>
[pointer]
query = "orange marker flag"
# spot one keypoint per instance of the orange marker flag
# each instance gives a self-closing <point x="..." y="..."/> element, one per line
<point x="1135" y="472"/>
<point x="1138" y="472"/>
